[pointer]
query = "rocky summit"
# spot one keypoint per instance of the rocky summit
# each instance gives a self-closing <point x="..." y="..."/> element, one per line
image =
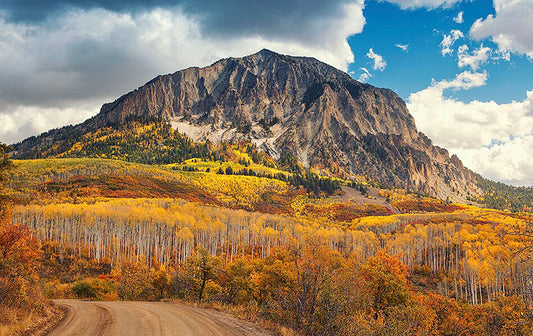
<point x="298" y="104"/>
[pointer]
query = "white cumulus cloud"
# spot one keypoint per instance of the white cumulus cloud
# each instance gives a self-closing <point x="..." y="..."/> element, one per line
<point x="475" y="59"/>
<point x="463" y="81"/>
<point x="459" y="18"/>
<point x="508" y="161"/>
<point x="365" y="75"/>
<point x="493" y="139"/>
<point x="510" y="28"/>
<point x="404" y="47"/>
<point x="379" y="62"/>
<point x="449" y="40"/>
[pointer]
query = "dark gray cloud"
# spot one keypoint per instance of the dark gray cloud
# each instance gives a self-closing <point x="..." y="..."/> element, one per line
<point x="294" y="19"/>
<point x="231" y="15"/>
<point x="38" y="10"/>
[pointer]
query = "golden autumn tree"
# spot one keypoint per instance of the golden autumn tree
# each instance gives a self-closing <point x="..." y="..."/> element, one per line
<point x="5" y="166"/>
<point x="18" y="258"/>
<point x="386" y="277"/>
<point x="197" y="273"/>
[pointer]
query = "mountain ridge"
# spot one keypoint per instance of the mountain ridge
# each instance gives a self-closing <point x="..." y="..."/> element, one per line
<point x="297" y="104"/>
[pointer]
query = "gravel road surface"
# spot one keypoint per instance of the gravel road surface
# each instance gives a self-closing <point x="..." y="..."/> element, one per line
<point x="147" y="318"/>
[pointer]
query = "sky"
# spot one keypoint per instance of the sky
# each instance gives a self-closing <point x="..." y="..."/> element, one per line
<point x="464" y="67"/>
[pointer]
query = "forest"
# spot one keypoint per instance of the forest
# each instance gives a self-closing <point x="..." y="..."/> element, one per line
<point x="228" y="228"/>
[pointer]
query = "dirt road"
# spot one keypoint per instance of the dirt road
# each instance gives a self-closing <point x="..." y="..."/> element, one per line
<point x="351" y="194"/>
<point x="147" y="318"/>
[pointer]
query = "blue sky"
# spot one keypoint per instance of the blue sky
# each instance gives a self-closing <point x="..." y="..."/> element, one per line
<point x="464" y="67"/>
<point x="422" y="30"/>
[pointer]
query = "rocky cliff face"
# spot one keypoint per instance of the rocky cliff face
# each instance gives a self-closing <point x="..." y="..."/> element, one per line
<point x="300" y="104"/>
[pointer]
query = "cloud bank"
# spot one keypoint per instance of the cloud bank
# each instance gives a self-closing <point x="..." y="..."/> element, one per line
<point x="493" y="139"/>
<point x="510" y="28"/>
<point x="61" y="69"/>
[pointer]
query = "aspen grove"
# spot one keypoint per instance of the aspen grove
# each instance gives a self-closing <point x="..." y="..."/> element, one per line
<point x="471" y="251"/>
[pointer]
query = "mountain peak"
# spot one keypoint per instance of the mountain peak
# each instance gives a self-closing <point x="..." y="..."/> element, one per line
<point x="297" y="104"/>
<point x="267" y="52"/>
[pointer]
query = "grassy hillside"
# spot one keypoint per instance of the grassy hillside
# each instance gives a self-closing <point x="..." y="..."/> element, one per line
<point x="71" y="178"/>
<point x="155" y="142"/>
<point x="268" y="190"/>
